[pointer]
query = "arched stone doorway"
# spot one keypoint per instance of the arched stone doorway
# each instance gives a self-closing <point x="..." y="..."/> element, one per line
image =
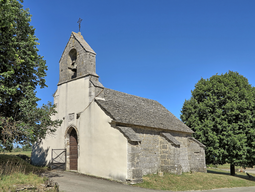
<point x="72" y="147"/>
<point x="73" y="150"/>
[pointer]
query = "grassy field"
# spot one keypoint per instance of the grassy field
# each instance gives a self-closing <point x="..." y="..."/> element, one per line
<point x="27" y="153"/>
<point x="225" y="166"/>
<point x="215" y="178"/>
<point x="14" y="172"/>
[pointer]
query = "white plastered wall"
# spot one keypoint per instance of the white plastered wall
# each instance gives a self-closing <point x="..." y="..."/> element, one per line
<point x="102" y="149"/>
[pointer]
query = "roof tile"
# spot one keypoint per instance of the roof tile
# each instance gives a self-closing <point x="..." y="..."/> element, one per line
<point x="130" y="109"/>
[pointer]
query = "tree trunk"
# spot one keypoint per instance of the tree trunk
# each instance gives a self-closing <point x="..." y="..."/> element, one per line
<point x="232" y="169"/>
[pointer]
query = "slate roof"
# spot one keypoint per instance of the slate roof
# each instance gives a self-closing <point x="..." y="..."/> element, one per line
<point x="130" y="109"/>
<point x="96" y="83"/>
<point x="171" y="138"/>
<point x="201" y="144"/>
<point x="129" y="133"/>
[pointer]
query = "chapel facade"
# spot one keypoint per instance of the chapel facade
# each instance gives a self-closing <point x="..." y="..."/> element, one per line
<point x="111" y="134"/>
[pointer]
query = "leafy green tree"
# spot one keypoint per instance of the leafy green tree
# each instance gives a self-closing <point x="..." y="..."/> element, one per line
<point x="27" y="147"/>
<point x="221" y="112"/>
<point x="22" y="69"/>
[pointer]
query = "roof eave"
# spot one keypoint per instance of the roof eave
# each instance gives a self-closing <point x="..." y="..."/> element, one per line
<point x="143" y="126"/>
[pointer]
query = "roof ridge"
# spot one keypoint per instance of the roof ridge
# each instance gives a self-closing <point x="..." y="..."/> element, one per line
<point x="86" y="46"/>
<point x="132" y="95"/>
<point x="89" y="49"/>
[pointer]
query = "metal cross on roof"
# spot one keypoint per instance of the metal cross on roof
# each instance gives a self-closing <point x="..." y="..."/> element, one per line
<point x="79" y="21"/>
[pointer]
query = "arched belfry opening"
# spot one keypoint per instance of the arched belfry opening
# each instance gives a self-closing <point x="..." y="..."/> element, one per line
<point x="78" y="59"/>
<point x="73" y="62"/>
<point x="72" y="148"/>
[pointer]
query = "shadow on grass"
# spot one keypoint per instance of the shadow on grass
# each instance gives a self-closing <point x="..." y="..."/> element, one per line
<point x="220" y="172"/>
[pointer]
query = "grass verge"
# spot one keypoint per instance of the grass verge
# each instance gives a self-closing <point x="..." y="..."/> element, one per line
<point x="11" y="182"/>
<point x="27" y="153"/>
<point x="11" y="164"/>
<point x="196" y="181"/>
<point x="14" y="172"/>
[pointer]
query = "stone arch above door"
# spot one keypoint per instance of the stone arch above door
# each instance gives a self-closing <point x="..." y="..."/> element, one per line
<point x="69" y="129"/>
<point x="72" y="147"/>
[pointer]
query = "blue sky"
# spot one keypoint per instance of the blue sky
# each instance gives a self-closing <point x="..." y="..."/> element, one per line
<point x="157" y="49"/>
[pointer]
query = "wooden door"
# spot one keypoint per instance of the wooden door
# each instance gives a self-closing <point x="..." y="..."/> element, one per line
<point x="73" y="150"/>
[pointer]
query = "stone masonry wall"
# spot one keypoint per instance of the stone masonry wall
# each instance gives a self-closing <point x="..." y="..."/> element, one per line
<point x="196" y="157"/>
<point x="134" y="172"/>
<point x="144" y="156"/>
<point x="170" y="157"/>
<point x="85" y="62"/>
<point x="150" y="151"/>
<point x="156" y="153"/>
<point x="183" y="158"/>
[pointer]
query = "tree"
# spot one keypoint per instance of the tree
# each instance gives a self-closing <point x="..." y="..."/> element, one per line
<point x="22" y="69"/>
<point x="27" y="147"/>
<point x="221" y="112"/>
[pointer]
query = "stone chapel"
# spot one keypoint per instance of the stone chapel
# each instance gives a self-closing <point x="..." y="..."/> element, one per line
<point x="111" y="134"/>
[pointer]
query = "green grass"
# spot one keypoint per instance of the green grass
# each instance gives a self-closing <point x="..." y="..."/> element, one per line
<point x="14" y="172"/>
<point x="14" y="180"/>
<point x="226" y="166"/>
<point x="11" y="163"/>
<point x="27" y="153"/>
<point x="196" y="181"/>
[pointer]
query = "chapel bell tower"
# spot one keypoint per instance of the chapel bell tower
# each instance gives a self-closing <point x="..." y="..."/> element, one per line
<point x="78" y="60"/>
